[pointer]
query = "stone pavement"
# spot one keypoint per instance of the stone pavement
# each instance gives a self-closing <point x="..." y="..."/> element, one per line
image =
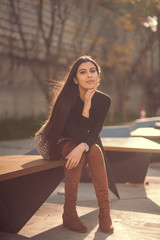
<point x="14" y="147"/>
<point x="136" y="216"/>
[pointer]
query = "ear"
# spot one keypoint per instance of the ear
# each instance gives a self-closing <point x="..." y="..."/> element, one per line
<point x="75" y="80"/>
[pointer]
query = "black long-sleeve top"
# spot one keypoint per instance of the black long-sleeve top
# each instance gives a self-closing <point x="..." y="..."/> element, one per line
<point x="82" y="129"/>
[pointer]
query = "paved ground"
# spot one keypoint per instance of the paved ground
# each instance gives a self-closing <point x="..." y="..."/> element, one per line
<point x="16" y="147"/>
<point x="136" y="216"/>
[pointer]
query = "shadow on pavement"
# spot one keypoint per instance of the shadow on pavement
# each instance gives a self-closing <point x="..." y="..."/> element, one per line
<point x="100" y="235"/>
<point x="10" y="236"/>
<point x="60" y="232"/>
<point x="141" y="205"/>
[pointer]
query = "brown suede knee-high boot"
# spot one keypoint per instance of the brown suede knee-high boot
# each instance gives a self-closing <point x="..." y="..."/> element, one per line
<point x="72" y="178"/>
<point x="97" y="170"/>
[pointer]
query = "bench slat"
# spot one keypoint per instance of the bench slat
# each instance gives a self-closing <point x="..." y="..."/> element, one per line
<point x="146" y="132"/>
<point x="20" y="165"/>
<point x="131" y="144"/>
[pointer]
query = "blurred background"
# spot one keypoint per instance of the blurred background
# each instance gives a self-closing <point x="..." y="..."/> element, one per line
<point x="40" y="38"/>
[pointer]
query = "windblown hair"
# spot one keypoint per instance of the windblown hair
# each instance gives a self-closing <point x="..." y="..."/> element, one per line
<point x="65" y="101"/>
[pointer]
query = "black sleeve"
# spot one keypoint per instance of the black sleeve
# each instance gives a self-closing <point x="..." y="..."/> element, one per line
<point x="98" y="121"/>
<point x="80" y="129"/>
<point x="77" y="129"/>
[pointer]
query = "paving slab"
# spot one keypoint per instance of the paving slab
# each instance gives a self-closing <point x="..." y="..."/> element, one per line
<point x="14" y="147"/>
<point x="136" y="216"/>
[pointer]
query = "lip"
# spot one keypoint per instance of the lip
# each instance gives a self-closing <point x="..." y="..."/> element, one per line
<point x="90" y="81"/>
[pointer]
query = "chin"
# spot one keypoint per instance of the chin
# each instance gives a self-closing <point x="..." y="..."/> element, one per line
<point x="91" y="87"/>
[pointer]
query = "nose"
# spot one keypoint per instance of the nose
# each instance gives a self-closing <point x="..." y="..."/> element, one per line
<point x="89" y="74"/>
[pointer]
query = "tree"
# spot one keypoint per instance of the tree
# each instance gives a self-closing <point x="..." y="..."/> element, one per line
<point x="38" y="30"/>
<point x="34" y="41"/>
<point x="135" y="22"/>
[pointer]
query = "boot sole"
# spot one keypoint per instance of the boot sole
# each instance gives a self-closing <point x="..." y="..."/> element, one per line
<point x="74" y="230"/>
<point x="108" y="232"/>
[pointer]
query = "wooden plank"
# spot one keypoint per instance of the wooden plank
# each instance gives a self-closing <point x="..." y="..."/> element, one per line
<point x="20" y="165"/>
<point x="131" y="144"/>
<point x="146" y="132"/>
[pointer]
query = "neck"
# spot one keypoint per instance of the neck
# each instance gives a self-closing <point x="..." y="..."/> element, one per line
<point x="82" y="93"/>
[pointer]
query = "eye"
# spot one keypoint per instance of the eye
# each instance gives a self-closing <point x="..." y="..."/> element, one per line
<point x="82" y="72"/>
<point x="93" y="70"/>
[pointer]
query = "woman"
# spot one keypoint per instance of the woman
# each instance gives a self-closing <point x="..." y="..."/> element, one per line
<point x="71" y="132"/>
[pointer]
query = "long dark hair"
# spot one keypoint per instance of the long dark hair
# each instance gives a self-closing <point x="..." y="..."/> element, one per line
<point x="64" y="103"/>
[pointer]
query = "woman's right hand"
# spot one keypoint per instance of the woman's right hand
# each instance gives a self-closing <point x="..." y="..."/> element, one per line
<point x="74" y="156"/>
<point x="87" y="101"/>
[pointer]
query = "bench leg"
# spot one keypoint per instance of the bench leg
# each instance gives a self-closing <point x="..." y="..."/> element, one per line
<point x="129" y="166"/>
<point x="21" y="197"/>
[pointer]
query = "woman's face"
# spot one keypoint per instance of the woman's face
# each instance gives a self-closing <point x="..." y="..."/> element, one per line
<point x="87" y="76"/>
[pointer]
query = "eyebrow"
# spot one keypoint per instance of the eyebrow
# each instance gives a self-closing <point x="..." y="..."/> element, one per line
<point x="85" y="68"/>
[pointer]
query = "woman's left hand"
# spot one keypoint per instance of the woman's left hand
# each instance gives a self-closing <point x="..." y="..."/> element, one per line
<point x="74" y="156"/>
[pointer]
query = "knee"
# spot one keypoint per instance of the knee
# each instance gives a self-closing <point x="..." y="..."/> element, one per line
<point x="95" y="156"/>
<point x="95" y="150"/>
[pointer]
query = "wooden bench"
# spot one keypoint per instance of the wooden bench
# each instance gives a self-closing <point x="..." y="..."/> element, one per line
<point x="147" y="132"/>
<point x="129" y="158"/>
<point x="26" y="181"/>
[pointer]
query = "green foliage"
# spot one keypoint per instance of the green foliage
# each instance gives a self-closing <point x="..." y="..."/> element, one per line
<point x="19" y="128"/>
<point x="26" y="127"/>
<point x="118" y="119"/>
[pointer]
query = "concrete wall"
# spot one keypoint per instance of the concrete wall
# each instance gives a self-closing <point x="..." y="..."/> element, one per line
<point x="20" y="95"/>
<point x="17" y="102"/>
